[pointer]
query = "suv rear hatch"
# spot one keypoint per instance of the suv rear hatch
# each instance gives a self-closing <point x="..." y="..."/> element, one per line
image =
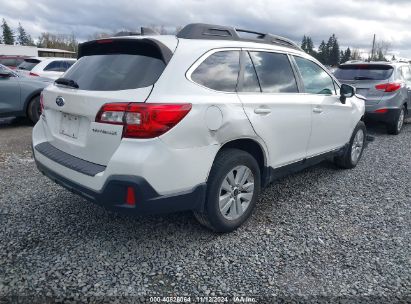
<point x="365" y="78"/>
<point x="119" y="70"/>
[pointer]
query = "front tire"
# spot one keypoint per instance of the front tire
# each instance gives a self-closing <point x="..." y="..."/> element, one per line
<point x="233" y="187"/>
<point x="395" y="127"/>
<point x="34" y="110"/>
<point x="353" y="152"/>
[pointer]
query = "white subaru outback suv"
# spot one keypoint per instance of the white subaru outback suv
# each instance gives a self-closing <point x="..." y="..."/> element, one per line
<point x="199" y="121"/>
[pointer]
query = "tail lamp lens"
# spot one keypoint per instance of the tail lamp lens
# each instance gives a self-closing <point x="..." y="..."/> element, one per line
<point x="388" y="87"/>
<point x="141" y="120"/>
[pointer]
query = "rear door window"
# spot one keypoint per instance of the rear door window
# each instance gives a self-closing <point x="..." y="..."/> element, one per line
<point x="274" y="72"/>
<point x="315" y="79"/>
<point x="56" y="66"/>
<point x="219" y="71"/>
<point x="364" y="72"/>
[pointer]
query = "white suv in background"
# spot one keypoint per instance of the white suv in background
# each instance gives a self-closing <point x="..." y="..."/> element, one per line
<point x="51" y="68"/>
<point x="200" y="121"/>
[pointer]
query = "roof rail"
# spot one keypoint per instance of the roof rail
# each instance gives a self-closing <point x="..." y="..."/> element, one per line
<point x="145" y="31"/>
<point x="219" y="32"/>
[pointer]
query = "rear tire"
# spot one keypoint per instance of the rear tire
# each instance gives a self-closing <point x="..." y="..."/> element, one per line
<point x="353" y="152"/>
<point x="395" y="127"/>
<point x="33" y="109"/>
<point x="232" y="190"/>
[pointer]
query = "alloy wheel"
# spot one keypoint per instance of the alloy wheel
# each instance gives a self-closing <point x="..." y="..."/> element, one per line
<point x="236" y="192"/>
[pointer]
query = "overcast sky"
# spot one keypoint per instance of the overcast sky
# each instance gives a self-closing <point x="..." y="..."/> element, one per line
<point x="353" y="22"/>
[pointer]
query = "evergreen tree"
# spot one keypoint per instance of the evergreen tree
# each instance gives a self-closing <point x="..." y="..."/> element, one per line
<point x="22" y="37"/>
<point x="393" y="58"/>
<point x="8" y="37"/>
<point x="347" y="54"/>
<point x="310" y="46"/>
<point x="380" y="56"/>
<point x="304" y="44"/>
<point x="322" y="55"/>
<point x="333" y="49"/>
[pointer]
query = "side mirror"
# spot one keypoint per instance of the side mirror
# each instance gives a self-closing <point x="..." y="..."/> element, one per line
<point x="346" y="91"/>
<point x="5" y="74"/>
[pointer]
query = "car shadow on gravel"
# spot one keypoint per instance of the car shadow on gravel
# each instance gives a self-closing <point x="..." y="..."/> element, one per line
<point x="13" y="122"/>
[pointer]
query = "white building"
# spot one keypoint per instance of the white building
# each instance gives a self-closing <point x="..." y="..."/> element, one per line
<point x="33" y="51"/>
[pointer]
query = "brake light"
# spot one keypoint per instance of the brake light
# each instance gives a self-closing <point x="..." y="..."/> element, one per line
<point x="381" y="111"/>
<point x="33" y="74"/>
<point x="388" y="87"/>
<point x="143" y="120"/>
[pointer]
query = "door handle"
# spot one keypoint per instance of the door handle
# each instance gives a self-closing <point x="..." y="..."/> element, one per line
<point x="262" y="111"/>
<point x="317" y="110"/>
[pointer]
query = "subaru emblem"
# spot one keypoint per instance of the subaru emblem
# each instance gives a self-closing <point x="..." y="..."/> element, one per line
<point x="60" y="101"/>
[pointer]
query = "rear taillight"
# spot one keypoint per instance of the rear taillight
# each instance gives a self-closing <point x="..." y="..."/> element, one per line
<point x="143" y="120"/>
<point x="381" y="111"/>
<point x="388" y="87"/>
<point x="33" y="74"/>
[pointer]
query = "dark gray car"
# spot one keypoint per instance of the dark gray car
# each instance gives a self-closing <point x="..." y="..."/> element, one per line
<point x="386" y="87"/>
<point x="20" y="95"/>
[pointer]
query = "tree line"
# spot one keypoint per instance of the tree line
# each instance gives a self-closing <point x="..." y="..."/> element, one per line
<point x="45" y="40"/>
<point x="329" y="53"/>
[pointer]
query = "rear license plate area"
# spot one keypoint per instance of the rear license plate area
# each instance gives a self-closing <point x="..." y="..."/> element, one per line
<point x="69" y="125"/>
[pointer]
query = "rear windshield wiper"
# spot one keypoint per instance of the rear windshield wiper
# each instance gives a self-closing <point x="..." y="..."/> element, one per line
<point x="363" y="78"/>
<point x="67" y="82"/>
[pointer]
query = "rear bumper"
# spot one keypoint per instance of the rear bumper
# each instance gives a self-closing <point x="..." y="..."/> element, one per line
<point x="387" y="117"/>
<point x="147" y="201"/>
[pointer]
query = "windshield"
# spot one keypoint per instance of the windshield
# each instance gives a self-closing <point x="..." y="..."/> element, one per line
<point x="28" y="64"/>
<point x="364" y="72"/>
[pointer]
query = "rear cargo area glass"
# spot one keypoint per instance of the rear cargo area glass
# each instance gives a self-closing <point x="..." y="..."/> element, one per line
<point x="114" y="65"/>
<point x="364" y="72"/>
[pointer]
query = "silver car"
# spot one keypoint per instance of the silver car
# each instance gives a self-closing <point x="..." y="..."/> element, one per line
<point x="20" y="95"/>
<point x="386" y="87"/>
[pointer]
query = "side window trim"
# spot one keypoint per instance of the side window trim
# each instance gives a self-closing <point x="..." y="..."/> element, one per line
<point x="298" y="77"/>
<point x="240" y="82"/>
<point x="331" y="76"/>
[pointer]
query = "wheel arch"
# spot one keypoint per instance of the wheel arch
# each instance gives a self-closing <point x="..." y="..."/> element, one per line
<point x="256" y="149"/>
<point x="30" y="98"/>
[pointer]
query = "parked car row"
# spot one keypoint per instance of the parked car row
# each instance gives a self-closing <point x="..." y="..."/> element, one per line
<point x="51" y="68"/>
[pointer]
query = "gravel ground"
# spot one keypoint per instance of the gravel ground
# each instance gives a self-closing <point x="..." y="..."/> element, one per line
<point x="323" y="232"/>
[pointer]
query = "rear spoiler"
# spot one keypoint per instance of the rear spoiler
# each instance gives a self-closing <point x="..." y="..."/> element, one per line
<point x="149" y="47"/>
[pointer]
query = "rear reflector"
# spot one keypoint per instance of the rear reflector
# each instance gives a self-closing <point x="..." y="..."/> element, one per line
<point x="105" y="41"/>
<point x="131" y="197"/>
<point x="33" y="74"/>
<point x="143" y="120"/>
<point x="381" y="111"/>
<point x="388" y="87"/>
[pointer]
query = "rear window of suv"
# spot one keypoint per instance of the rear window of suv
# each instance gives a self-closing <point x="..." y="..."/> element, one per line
<point x="364" y="72"/>
<point x="113" y="65"/>
<point x="28" y="64"/>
